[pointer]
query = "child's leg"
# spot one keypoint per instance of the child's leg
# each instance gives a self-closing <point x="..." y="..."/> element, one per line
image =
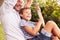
<point x="55" y="38"/>
<point x="51" y="27"/>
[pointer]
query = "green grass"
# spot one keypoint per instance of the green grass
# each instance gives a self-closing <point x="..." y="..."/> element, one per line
<point x="1" y="33"/>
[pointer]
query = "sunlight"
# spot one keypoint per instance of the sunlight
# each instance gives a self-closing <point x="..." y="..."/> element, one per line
<point x="58" y="1"/>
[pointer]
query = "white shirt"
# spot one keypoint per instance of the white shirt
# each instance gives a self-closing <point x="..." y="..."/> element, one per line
<point x="10" y="20"/>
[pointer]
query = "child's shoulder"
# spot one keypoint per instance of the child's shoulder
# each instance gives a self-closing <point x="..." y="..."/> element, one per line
<point x="27" y="22"/>
<point x="23" y="22"/>
<point x="32" y="22"/>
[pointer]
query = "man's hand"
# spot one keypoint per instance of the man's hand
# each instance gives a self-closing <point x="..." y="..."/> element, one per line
<point x="28" y="4"/>
<point x="30" y="1"/>
<point x="37" y="7"/>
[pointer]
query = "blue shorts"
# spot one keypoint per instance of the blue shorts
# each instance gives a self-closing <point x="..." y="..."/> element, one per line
<point x="43" y="36"/>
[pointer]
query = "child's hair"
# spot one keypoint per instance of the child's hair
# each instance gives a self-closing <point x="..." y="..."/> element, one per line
<point x="21" y="10"/>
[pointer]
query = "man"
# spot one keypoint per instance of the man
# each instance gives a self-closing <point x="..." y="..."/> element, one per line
<point x="10" y="18"/>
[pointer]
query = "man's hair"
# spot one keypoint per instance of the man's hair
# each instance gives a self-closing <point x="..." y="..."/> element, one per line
<point x="21" y="10"/>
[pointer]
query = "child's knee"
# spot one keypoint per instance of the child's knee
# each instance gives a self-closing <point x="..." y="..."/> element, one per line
<point x="50" y="22"/>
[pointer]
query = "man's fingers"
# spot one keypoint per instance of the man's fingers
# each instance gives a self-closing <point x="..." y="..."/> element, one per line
<point x="29" y="0"/>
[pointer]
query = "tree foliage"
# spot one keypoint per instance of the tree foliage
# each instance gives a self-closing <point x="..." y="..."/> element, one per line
<point x="50" y="11"/>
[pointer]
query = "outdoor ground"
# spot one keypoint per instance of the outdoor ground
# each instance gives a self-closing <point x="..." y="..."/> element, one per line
<point x="1" y="29"/>
<point x="1" y="33"/>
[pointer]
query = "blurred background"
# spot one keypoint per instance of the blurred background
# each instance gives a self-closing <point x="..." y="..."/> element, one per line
<point x="1" y="28"/>
<point x="50" y="10"/>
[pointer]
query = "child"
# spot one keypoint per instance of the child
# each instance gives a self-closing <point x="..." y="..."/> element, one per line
<point x="31" y="29"/>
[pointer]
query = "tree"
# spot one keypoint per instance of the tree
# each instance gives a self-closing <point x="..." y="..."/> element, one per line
<point x="50" y="11"/>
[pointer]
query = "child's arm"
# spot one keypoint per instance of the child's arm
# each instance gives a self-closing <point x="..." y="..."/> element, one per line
<point x="33" y="31"/>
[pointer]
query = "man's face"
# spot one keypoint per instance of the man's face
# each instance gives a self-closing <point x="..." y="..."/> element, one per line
<point x="19" y="5"/>
<point x="26" y="14"/>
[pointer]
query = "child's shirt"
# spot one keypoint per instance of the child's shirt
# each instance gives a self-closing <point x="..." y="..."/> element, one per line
<point x="24" y="23"/>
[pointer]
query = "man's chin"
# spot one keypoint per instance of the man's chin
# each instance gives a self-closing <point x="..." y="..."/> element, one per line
<point x="18" y="10"/>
